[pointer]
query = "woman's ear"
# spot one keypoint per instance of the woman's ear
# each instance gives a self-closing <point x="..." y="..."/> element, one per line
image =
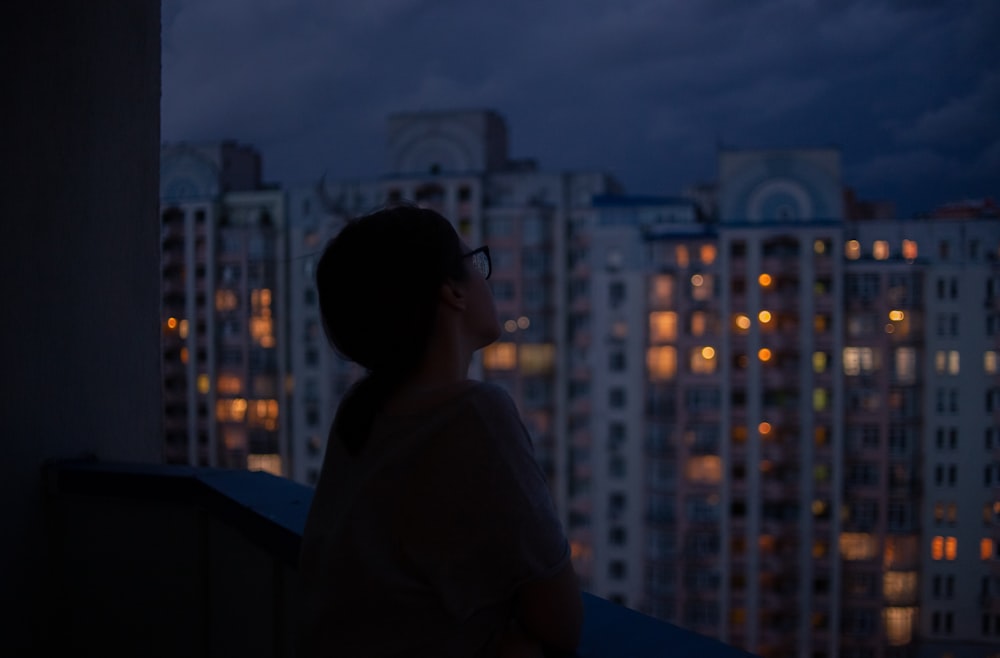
<point x="453" y="294"/>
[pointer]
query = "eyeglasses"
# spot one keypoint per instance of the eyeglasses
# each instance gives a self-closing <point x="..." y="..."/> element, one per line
<point x="481" y="260"/>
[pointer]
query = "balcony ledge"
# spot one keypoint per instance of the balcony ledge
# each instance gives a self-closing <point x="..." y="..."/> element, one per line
<point x="255" y="513"/>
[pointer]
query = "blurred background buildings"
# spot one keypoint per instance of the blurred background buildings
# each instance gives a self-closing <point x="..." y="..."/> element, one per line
<point x="769" y="412"/>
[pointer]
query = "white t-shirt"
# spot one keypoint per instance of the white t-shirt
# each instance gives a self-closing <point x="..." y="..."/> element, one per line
<point x="417" y="545"/>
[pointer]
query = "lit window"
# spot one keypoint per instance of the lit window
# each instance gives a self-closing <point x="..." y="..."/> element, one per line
<point x="661" y="289"/>
<point x="261" y="322"/>
<point x="500" y="356"/>
<point x="661" y="362"/>
<point x="537" y="358"/>
<point x="858" y="360"/>
<point x="226" y="300"/>
<point x="990" y="362"/>
<point x="899" y="585"/>
<point x="699" y="323"/>
<point x="203" y="383"/>
<point x="905" y="359"/>
<point x="706" y="469"/>
<point x="703" y="361"/>
<point x="937" y="548"/>
<point x="821" y="323"/>
<point x="819" y="362"/>
<point x="900" y="550"/>
<point x="852" y="249"/>
<point x="764" y="317"/>
<point x="953" y="358"/>
<point x="233" y="410"/>
<point x="940" y="361"/>
<point x="819" y="246"/>
<point x="234" y="437"/>
<point x="858" y="546"/>
<point x="910" y="249"/>
<point x="619" y="329"/>
<point x="262" y="329"/>
<point x="683" y="259"/>
<point x="662" y="326"/>
<point x="267" y="463"/>
<point x="880" y="250"/>
<point x="741" y="322"/>
<point x="184" y="355"/>
<point x="701" y="287"/>
<point x="821" y="398"/>
<point x="950" y="548"/>
<point x="899" y="624"/>
<point x="896" y="316"/>
<point x="708" y="253"/>
<point x="985" y="548"/>
<point x="182" y="329"/>
<point x="229" y="385"/>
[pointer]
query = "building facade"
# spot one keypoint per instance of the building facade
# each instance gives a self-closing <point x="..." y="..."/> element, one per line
<point x="799" y="463"/>
<point x="762" y="416"/>
<point x="224" y="268"/>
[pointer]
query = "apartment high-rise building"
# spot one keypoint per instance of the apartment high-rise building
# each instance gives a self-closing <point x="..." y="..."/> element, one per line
<point x="766" y="449"/>
<point x="768" y="413"/>
<point x="223" y="261"/>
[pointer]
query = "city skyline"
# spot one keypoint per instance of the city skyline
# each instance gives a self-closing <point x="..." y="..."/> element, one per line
<point x="906" y="91"/>
<point x="769" y="427"/>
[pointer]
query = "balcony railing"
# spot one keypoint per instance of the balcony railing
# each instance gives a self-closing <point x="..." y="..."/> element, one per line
<point x="179" y="561"/>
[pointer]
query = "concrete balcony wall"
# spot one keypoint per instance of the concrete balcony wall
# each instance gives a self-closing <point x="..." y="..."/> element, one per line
<point x="176" y="561"/>
<point x="79" y="264"/>
<point x="169" y="561"/>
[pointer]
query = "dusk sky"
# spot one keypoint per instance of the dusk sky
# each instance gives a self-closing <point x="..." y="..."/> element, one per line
<point x="908" y="90"/>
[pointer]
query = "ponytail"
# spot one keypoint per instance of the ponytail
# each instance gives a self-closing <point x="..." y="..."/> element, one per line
<point x="357" y="411"/>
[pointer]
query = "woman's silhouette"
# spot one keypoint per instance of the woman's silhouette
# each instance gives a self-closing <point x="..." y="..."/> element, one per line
<point x="432" y="532"/>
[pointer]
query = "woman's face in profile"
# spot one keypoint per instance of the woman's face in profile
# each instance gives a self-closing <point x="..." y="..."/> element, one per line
<point x="482" y="319"/>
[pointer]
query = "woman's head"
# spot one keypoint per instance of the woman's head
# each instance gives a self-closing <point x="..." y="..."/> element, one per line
<point x="379" y="285"/>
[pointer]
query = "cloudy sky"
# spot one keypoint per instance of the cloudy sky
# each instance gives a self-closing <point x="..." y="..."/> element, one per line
<point x="909" y="90"/>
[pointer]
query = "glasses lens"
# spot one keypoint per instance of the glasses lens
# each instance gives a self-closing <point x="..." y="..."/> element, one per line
<point x="479" y="260"/>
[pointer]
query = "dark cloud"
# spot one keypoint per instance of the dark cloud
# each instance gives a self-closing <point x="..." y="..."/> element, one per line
<point x="644" y="88"/>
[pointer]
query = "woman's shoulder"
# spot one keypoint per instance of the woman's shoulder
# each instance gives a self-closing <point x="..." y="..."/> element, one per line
<point x="492" y="399"/>
<point x="488" y="390"/>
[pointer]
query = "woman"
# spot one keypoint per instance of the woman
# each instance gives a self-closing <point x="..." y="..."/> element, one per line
<point x="432" y="532"/>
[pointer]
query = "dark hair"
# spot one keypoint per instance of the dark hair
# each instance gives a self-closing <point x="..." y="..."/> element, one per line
<point x="378" y="282"/>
